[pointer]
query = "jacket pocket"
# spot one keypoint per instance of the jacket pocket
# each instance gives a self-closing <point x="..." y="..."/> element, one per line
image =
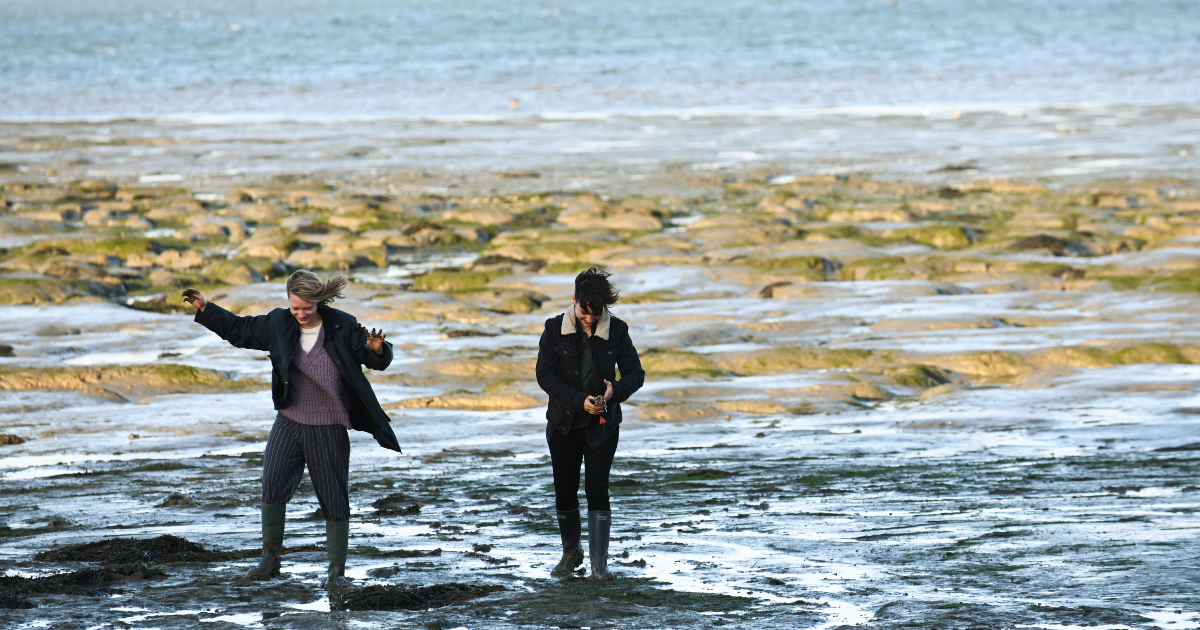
<point x="558" y="412"/>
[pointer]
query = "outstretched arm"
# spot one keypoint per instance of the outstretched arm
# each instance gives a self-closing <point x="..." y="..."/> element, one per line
<point x="252" y="333"/>
<point x="370" y="348"/>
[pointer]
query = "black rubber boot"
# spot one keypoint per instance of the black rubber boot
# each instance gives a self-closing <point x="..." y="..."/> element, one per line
<point x="272" y="527"/>
<point x="337" y="542"/>
<point x="599" y="528"/>
<point x="569" y="527"/>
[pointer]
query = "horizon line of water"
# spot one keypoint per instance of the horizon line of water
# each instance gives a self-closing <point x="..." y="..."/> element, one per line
<point x="933" y="110"/>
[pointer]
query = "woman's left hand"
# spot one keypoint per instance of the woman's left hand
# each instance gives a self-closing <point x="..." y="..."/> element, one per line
<point x="608" y="394"/>
<point x="375" y="342"/>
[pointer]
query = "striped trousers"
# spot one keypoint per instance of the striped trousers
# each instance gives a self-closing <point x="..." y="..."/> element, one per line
<point x="326" y="451"/>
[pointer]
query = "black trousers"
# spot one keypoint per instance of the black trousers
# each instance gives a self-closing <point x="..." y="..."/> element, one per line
<point x="567" y="452"/>
<point x="326" y="451"/>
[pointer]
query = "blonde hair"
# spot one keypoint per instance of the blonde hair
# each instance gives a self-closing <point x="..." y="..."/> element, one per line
<point x="305" y="285"/>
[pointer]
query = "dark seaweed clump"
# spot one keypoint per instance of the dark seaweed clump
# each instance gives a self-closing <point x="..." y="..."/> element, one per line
<point x="395" y="504"/>
<point x="15" y="591"/>
<point x="162" y="549"/>
<point x="389" y="597"/>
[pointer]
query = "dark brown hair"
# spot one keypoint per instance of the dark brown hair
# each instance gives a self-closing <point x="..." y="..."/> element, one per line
<point x="594" y="292"/>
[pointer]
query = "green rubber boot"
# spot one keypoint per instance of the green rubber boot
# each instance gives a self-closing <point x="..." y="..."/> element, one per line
<point x="272" y="527"/>
<point x="337" y="541"/>
<point x="569" y="528"/>
<point x="599" y="528"/>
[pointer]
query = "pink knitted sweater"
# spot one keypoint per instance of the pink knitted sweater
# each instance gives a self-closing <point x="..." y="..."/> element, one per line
<point x="317" y="390"/>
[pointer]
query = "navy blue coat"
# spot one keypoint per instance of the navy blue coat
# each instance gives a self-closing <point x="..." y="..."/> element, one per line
<point x="278" y="333"/>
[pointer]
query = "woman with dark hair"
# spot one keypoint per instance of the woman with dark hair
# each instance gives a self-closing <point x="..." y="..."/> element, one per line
<point x="576" y="359"/>
<point x="317" y="384"/>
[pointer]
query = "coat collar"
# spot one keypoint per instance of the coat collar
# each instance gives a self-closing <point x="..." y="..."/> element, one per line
<point x="330" y="319"/>
<point x="602" y="326"/>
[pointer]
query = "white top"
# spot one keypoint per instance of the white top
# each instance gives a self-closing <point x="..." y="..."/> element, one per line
<point x="308" y="338"/>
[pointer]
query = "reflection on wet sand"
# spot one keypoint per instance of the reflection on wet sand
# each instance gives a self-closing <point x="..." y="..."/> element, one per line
<point x="869" y="402"/>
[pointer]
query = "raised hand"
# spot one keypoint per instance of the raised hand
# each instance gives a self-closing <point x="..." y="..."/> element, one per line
<point x="375" y="340"/>
<point x="195" y="298"/>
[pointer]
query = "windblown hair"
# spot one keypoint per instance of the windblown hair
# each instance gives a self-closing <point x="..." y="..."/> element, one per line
<point x="305" y="285"/>
<point x="594" y="292"/>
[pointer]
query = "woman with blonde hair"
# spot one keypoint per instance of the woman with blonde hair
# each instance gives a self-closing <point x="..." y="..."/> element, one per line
<point x="317" y="384"/>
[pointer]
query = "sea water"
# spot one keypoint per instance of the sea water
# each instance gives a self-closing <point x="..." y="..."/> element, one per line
<point x="320" y="59"/>
<point x="164" y="90"/>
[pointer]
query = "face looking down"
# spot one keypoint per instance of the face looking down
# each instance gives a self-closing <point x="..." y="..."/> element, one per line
<point x="304" y="311"/>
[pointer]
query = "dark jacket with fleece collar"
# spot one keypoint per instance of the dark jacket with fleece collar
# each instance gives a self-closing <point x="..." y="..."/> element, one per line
<point x="558" y="372"/>
<point x="278" y="333"/>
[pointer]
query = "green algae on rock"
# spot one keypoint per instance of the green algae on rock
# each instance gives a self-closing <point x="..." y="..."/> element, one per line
<point x="116" y="382"/>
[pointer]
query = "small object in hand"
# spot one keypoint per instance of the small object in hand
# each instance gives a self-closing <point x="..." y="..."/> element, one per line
<point x="600" y="402"/>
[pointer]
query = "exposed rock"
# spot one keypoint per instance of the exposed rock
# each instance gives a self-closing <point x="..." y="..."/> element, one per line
<point x="273" y="244"/>
<point x="23" y="225"/>
<point x="483" y="368"/>
<point x="48" y="290"/>
<point x="238" y="271"/>
<point x="177" y="500"/>
<point x="107" y="381"/>
<point x="456" y="281"/>
<point x="339" y="256"/>
<point x="167" y="215"/>
<point x="587" y="212"/>
<point x="500" y="401"/>
<point x="482" y="216"/>
<point x="1050" y="244"/>
<point x="678" y="412"/>
<point x="98" y="218"/>
<point x="758" y="407"/>
<point x="778" y="360"/>
<point x="397" y="503"/>
<point x="892" y="215"/>
<point x="55" y="330"/>
<point x="84" y="271"/>
<point x="169" y="259"/>
<point x="659" y="362"/>
<point x="165" y="278"/>
<point x="939" y="390"/>
<point x="505" y="300"/>
<point x="137" y="222"/>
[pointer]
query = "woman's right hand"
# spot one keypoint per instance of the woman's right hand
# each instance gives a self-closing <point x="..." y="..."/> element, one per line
<point x="195" y="298"/>
<point x="591" y="407"/>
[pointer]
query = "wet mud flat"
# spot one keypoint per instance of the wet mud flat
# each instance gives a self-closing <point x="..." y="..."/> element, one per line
<point x="798" y="522"/>
<point x="961" y="404"/>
